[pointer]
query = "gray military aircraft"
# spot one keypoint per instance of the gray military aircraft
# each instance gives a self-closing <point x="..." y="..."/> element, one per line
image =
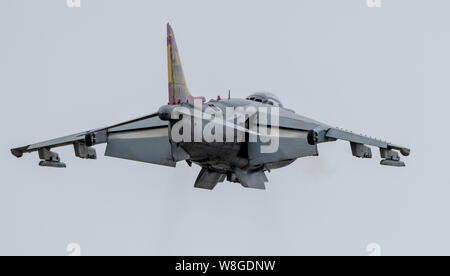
<point x="150" y="138"/>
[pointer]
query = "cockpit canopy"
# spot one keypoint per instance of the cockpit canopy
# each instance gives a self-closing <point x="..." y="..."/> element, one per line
<point x="266" y="98"/>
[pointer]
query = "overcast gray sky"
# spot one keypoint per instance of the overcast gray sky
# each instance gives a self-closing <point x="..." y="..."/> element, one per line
<point x="380" y="71"/>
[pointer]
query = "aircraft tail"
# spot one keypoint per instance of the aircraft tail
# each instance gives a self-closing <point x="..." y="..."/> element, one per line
<point x="178" y="90"/>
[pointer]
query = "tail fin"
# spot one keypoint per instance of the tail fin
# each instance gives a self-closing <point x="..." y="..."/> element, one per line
<point x="178" y="90"/>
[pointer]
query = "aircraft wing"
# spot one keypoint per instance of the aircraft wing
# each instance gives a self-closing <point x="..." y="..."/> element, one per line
<point x="359" y="149"/>
<point x="143" y="139"/>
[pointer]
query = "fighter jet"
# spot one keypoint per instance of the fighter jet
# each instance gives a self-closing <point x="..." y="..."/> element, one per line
<point x="238" y="158"/>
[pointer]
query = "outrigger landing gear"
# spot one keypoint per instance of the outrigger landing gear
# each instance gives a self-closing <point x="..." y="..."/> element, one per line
<point x="50" y="159"/>
<point x="391" y="158"/>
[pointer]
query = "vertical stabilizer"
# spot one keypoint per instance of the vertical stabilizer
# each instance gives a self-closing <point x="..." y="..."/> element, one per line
<point x="178" y="90"/>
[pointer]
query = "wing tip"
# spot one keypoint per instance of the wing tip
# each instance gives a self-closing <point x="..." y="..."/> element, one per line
<point x="403" y="150"/>
<point x="18" y="152"/>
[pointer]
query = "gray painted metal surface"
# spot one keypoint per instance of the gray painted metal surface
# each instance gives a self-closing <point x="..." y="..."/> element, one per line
<point x="148" y="138"/>
<point x="150" y="146"/>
